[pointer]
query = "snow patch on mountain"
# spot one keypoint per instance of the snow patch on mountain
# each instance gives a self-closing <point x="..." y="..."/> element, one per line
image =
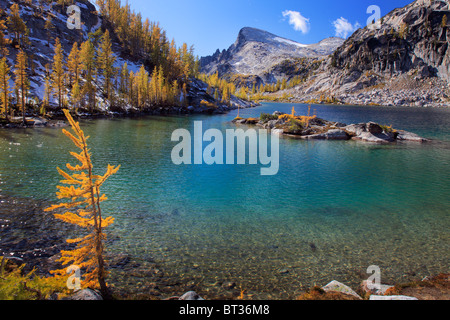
<point x="291" y="42"/>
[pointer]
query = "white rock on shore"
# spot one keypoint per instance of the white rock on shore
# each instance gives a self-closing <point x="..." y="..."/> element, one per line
<point x="335" y="286"/>
<point x="380" y="298"/>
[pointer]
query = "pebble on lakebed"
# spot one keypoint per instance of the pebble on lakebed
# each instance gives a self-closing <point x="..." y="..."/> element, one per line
<point x="313" y="128"/>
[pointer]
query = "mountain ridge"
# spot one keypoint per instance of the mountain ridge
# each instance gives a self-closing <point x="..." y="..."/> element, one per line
<point x="405" y="62"/>
<point x="255" y="51"/>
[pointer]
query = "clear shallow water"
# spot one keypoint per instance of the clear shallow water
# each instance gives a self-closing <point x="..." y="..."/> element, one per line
<point x="357" y="204"/>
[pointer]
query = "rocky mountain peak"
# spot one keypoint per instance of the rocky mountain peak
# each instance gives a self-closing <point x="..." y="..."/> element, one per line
<point x="249" y="34"/>
<point x="256" y="52"/>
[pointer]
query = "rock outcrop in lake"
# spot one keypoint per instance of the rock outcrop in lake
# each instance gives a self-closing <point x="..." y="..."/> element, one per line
<point x="314" y="128"/>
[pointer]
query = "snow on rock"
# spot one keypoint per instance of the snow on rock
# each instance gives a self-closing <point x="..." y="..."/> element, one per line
<point x="290" y="42"/>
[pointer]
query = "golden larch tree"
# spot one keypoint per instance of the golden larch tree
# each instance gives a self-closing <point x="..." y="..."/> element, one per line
<point x="73" y="65"/>
<point x="81" y="192"/>
<point x="16" y="25"/>
<point x="58" y="75"/>
<point x="3" y="40"/>
<point x="4" y="86"/>
<point x="21" y="81"/>
<point x="88" y="67"/>
<point x="106" y="60"/>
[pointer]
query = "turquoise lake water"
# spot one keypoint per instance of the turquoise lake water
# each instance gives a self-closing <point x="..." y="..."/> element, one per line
<point x="334" y="208"/>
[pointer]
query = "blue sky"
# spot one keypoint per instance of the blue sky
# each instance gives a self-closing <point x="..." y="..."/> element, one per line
<point x="214" y="24"/>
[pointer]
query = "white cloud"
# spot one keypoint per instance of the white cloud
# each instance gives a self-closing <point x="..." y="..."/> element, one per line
<point x="296" y="19"/>
<point x="344" y="28"/>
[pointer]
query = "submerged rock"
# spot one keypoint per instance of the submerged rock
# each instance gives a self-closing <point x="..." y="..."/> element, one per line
<point x="229" y="285"/>
<point x="119" y="261"/>
<point x="283" y="271"/>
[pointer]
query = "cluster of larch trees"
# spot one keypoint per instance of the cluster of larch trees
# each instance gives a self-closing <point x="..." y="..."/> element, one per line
<point x="221" y="89"/>
<point x="147" y="41"/>
<point x="90" y="72"/>
<point x="19" y="31"/>
<point x="279" y="85"/>
<point x="90" y="69"/>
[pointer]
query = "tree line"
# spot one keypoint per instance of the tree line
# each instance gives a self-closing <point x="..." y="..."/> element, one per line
<point x="222" y="89"/>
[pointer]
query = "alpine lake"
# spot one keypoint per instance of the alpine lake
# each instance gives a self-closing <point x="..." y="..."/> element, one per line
<point x="334" y="208"/>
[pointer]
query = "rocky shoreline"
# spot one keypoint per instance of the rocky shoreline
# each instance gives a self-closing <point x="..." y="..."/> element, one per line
<point x="429" y="288"/>
<point x="401" y="98"/>
<point x="56" y="119"/>
<point x="313" y="128"/>
<point x="382" y="97"/>
<point x="398" y="91"/>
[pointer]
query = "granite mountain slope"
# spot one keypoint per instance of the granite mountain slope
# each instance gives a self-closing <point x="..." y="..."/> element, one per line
<point x="257" y="52"/>
<point x="405" y="62"/>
